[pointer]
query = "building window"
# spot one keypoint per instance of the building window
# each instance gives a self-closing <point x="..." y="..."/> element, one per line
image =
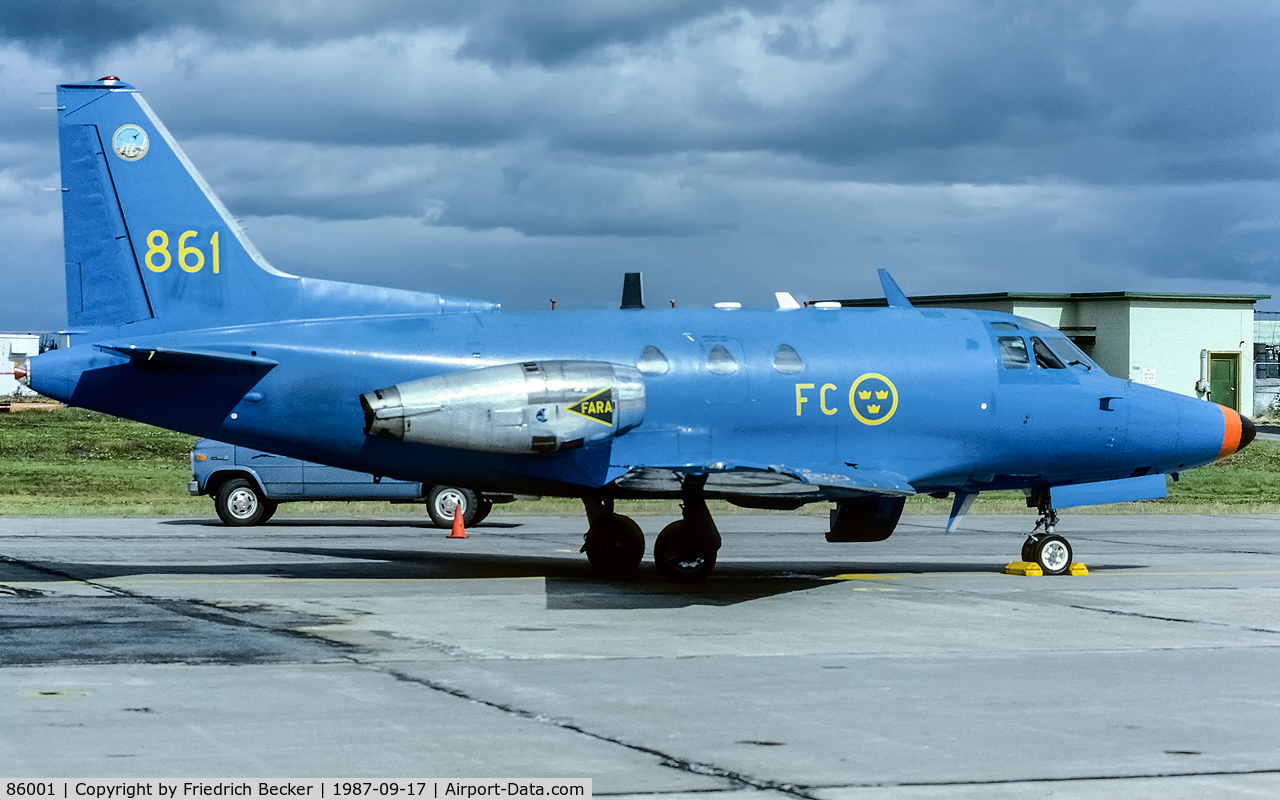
<point x="787" y="360"/>
<point x="653" y="362"/>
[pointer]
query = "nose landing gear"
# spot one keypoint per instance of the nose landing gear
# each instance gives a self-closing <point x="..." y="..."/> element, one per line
<point x="1045" y="547"/>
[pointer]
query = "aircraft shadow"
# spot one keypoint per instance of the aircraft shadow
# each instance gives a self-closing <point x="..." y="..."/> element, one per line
<point x="570" y="582"/>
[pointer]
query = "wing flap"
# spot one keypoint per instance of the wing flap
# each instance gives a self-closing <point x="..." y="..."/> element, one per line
<point x="775" y="480"/>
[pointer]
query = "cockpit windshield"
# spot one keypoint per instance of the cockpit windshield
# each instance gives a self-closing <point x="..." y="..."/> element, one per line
<point x="1069" y="353"/>
<point x="1045" y="359"/>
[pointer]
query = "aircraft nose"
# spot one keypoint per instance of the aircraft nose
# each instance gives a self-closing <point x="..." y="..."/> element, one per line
<point x="1247" y="432"/>
<point x="1238" y="432"/>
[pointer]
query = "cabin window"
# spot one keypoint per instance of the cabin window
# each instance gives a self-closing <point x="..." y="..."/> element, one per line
<point x="787" y="360"/>
<point x="1013" y="352"/>
<point x="652" y="362"/>
<point x="1045" y="358"/>
<point x="1003" y="326"/>
<point x="720" y="361"/>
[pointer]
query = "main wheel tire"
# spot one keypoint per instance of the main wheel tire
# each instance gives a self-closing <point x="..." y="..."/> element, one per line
<point x="615" y="546"/>
<point x="680" y="558"/>
<point x="483" y="506"/>
<point x="1053" y="554"/>
<point x="1029" y="549"/>
<point x="441" y="501"/>
<point x="240" y="502"/>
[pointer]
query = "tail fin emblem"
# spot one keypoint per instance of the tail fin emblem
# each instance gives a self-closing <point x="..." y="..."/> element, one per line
<point x="130" y="142"/>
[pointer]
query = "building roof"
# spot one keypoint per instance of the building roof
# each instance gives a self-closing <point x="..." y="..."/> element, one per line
<point x="1050" y="297"/>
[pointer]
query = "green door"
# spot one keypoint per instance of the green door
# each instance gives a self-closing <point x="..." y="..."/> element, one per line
<point x="1224" y="380"/>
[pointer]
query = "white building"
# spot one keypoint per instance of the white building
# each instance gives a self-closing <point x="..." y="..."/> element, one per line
<point x="1197" y="345"/>
<point x="15" y="348"/>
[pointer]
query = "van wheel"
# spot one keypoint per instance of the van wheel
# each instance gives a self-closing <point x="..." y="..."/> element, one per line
<point x="241" y="503"/>
<point x="483" y="506"/>
<point x="441" y="501"/>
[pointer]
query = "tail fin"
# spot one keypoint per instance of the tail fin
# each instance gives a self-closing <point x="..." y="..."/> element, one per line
<point x="146" y="238"/>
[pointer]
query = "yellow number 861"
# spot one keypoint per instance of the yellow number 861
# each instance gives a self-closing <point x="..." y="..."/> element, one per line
<point x="191" y="259"/>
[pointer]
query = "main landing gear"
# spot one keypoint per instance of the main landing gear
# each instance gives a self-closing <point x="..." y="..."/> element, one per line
<point x="614" y="543"/>
<point x="685" y="551"/>
<point x="1045" y="547"/>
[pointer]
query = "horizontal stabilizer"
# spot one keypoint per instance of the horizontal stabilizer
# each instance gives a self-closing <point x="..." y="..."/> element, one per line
<point x="193" y="359"/>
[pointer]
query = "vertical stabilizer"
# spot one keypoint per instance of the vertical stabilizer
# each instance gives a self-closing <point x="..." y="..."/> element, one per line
<point x="144" y="235"/>
<point x="892" y="293"/>
<point x="147" y="241"/>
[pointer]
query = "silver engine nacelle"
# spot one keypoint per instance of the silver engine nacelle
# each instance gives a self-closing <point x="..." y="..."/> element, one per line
<point x="534" y="407"/>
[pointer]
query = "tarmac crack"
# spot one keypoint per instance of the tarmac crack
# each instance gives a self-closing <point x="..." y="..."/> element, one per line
<point x="1184" y="547"/>
<point x="1158" y="618"/>
<point x="737" y="780"/>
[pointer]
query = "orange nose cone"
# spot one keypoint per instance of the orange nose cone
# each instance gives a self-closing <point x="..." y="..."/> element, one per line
<point x="1238" y="432"/>
<point x="20" y="371"/>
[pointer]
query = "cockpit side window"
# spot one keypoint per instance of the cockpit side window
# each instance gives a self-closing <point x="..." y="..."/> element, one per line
<point x="1013" y="353"/>
<point x="1045" y="359"/>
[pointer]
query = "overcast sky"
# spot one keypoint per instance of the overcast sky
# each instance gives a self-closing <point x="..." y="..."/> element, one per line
<point x="518" y="151"/>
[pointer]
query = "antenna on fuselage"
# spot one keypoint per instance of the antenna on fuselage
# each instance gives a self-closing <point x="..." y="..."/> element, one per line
<point x="891" y="291"/>
<point x="632" y="291"/>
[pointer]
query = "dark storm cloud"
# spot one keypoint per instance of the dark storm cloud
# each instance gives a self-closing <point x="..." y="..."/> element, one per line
<point x="967" y="145"/>
<point x="502" y="31"/>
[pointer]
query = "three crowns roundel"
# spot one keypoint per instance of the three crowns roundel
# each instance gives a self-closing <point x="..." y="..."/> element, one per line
<point x="873" y="399"/>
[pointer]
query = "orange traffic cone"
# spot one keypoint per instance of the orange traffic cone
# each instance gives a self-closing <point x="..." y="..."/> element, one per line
<point x="459" y="531"/>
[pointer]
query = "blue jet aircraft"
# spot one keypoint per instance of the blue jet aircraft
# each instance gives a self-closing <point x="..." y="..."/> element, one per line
<point x="180" y="322"/>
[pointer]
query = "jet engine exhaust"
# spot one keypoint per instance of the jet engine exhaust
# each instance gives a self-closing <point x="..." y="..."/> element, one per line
<point x="536" y="407"/>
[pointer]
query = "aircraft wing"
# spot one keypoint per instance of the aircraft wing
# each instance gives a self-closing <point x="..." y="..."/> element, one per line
<point x="774" y="480"/>
<point x="210" y="360"/>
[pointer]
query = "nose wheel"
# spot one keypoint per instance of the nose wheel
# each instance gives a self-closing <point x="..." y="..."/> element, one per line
<point x="1045" y="547"/>
<point x="1049" y="550"/>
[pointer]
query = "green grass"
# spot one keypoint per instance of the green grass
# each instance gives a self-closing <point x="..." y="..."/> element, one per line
<point x="73" y="462"/>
